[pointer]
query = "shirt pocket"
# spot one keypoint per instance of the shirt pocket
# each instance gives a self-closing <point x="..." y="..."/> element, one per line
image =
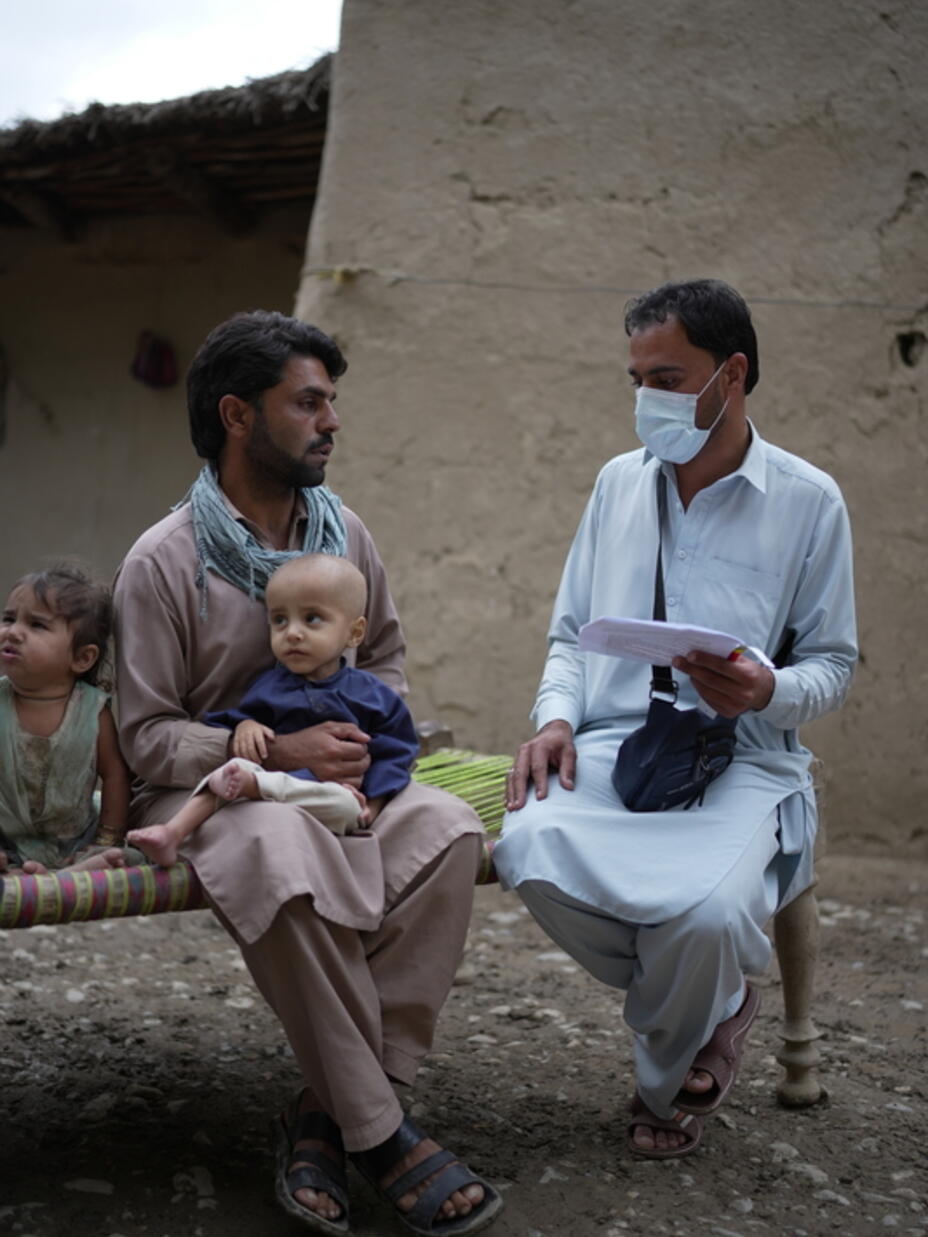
<point x="741" y="599"/>
<point x="740" y="576"/>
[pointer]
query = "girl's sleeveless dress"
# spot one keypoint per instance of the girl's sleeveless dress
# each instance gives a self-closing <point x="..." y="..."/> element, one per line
<point x="47" y="807"/>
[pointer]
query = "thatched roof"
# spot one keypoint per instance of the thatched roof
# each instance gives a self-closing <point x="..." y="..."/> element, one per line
<point x="226" y="152"/>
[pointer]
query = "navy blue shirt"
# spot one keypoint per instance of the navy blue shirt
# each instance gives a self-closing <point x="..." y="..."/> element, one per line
<point x="286" y="702"/>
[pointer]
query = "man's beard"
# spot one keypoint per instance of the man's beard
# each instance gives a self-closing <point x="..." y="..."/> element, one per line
<point x="279" y="468"/>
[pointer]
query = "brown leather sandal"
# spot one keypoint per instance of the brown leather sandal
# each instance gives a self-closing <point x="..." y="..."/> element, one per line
<point x="685" y="1124"/>
<point x="721" y="1057"/>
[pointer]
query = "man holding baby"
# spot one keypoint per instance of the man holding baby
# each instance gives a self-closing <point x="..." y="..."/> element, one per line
<point x="352" y="939"/>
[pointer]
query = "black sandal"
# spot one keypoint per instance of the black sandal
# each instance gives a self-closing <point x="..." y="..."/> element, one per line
<point x="425" y="1217"/>
<point x="314" y="1169"/>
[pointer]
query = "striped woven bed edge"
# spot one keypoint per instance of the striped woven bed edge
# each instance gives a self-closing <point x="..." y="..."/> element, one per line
<point x="114" y="893"/>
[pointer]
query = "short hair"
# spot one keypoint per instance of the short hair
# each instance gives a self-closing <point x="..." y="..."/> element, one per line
<point x="86" y="606"/>
<point x="713" y="315"/>
<point x="245" y="356"/>
<point x="333" y="570"/>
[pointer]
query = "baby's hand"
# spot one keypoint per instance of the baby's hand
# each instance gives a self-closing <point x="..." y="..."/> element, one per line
<point x="32" y="867"/>
<point x="94" y="857"/>
<point x="7" y="867"/>
<point x="250" y="741"/>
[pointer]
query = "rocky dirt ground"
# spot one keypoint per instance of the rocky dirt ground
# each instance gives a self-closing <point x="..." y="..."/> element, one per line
<point x="140" y="1070"/>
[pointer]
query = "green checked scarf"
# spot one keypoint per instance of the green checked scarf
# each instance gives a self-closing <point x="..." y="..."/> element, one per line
<point x="225" y="546"/>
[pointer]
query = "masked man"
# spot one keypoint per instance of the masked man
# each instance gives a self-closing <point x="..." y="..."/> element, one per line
<point x="670" y="905"/>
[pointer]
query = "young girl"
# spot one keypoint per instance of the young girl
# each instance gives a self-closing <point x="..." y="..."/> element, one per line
<point x="57" y="734"/>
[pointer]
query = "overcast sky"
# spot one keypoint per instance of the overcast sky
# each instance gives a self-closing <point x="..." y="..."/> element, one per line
<point x="59" y="55"/>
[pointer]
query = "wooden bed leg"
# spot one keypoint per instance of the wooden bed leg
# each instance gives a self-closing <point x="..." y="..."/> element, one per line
<point x="795" y="933"/>
<point x="432" y="736"/>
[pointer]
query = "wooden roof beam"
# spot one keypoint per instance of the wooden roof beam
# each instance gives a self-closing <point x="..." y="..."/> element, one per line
<point x="169" y="167"/>
<point x="43" y="211"/>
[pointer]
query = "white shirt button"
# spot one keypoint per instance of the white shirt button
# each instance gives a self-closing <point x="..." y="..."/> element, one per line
<point x="681" y="553"/>
<point x="671" y="601"/>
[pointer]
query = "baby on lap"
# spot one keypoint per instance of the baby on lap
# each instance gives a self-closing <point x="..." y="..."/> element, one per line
<point x="315" y="609"/>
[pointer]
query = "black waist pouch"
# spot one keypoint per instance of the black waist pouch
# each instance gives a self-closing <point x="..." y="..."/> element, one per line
<point x="670" y="760"/>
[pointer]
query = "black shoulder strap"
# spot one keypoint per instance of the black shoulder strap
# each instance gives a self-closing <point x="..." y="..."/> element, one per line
<point x="662" y="680"/>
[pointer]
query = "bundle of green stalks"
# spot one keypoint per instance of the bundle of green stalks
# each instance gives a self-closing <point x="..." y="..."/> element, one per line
<point x="477" y="779"/>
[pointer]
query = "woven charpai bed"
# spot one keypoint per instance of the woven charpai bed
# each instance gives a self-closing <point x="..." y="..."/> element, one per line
<point x="113" y="893"/>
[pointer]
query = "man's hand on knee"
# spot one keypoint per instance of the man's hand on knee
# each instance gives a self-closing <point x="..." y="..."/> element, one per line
<point x="551" y="748"/>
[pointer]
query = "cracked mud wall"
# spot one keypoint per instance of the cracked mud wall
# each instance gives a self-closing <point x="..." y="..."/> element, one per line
<point x="498" y="178"/>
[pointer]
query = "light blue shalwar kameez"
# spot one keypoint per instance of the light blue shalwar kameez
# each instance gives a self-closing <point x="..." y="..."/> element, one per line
<point x="670" y="906"/>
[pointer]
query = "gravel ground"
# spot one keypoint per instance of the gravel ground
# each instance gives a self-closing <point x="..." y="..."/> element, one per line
<point x="142" y="1070"/>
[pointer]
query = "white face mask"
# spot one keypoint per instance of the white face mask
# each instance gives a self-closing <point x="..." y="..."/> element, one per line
<point x="665" y="421"/>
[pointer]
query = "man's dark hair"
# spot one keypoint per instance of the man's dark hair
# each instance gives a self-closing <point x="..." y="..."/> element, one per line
<point x="245" y="356"/>
<point x="711" y="313"/>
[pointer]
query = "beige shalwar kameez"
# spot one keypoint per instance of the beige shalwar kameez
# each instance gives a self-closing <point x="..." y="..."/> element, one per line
<point x="353" y="940"/>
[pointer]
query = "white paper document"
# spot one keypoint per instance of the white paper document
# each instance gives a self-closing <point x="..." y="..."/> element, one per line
<point x="658" y="643"/>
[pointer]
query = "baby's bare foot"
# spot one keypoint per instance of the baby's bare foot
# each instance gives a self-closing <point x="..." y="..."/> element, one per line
<point x="361" y="798"/>
<point x="157" y="842"/>
<point x="231" y="781"/>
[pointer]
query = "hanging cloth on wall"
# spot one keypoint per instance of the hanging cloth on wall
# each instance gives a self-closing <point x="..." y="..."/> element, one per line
<point x="154" y="364"/>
